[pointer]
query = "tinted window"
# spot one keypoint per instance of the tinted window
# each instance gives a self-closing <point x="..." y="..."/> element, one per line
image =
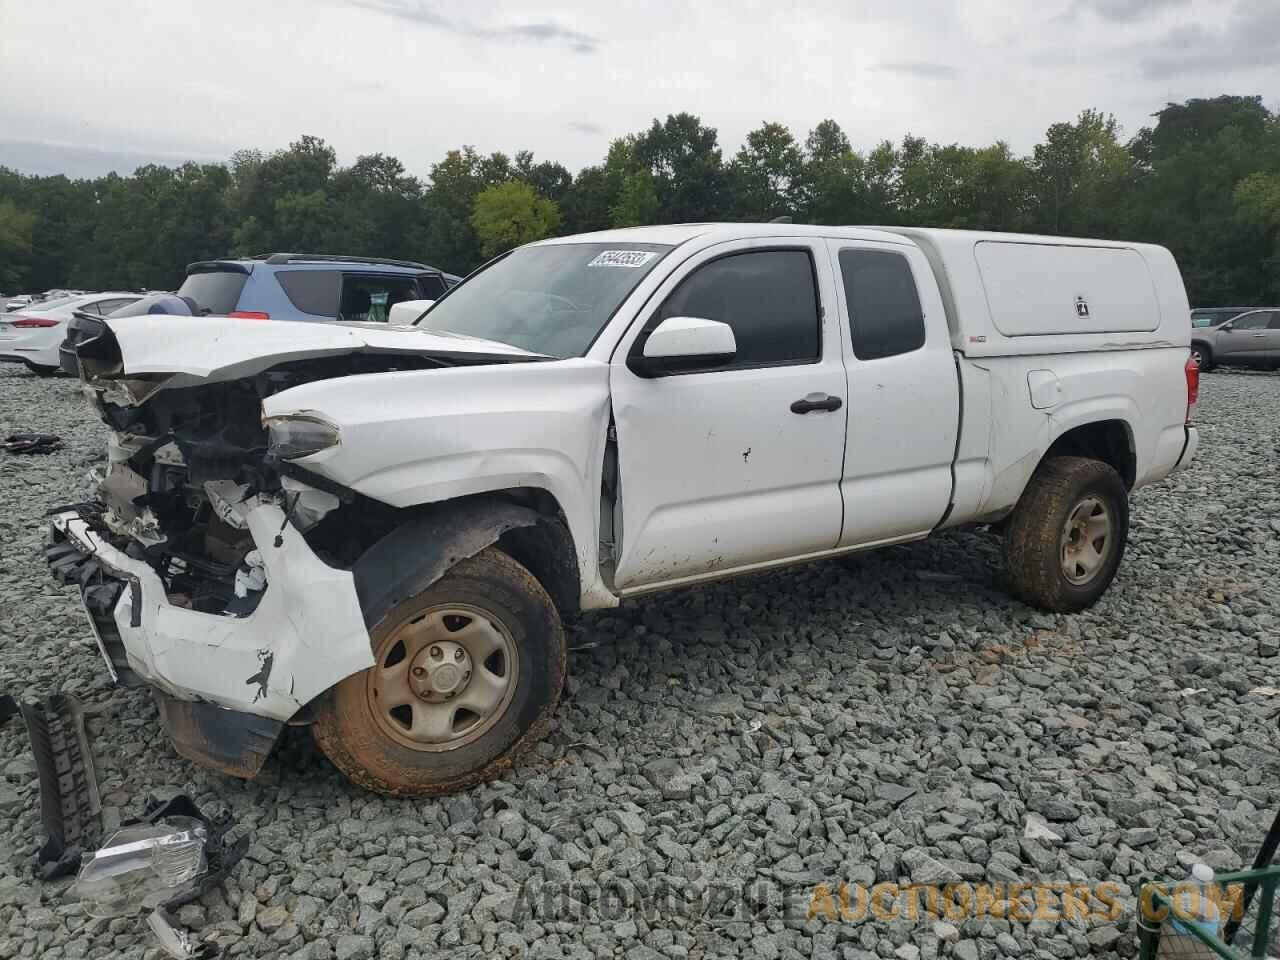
<point x="1251" y="321"/>
<point x="769" y="298"/>
<point x="215" y="292"/>
<point x="885" y="317"/>
<point x="108" y="307"/>
<point x="432" y="286"/>
<point x="312" y="291"/>
<point x="1275" y="320"/>
<point x="370" y="298"/>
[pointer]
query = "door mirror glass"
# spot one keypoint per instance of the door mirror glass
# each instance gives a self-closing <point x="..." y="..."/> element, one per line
<point x="407" y="311"/>
<point x="685" y="343"/>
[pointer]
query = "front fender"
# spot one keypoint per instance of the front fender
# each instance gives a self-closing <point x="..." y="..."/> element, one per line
<point x="418" y="437"/>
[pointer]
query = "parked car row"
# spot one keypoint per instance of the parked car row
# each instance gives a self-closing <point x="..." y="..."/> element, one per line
<point x="1248" y="336"/>
<point x="32" y="334"/>
<point x="42" y="333"/>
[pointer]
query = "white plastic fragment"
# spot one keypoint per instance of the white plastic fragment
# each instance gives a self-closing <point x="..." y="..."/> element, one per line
<point x="1037" y="828"/>
<point x="176" y="943"/>
<point x="252" y="576"/>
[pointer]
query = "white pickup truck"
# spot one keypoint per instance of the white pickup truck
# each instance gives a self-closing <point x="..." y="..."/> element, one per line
<point x="376" y="530"/>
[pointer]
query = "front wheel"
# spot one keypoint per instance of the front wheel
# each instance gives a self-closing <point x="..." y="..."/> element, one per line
<point x="1066" y="537"/>
<point x="466" y="675"/>
<point x="1202" y="357"/>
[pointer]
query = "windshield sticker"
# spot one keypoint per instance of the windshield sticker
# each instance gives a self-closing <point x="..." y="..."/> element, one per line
<point x="622" y="258"/>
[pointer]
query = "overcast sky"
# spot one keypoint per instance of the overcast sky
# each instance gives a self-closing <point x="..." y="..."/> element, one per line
<point x="91" y="85"/>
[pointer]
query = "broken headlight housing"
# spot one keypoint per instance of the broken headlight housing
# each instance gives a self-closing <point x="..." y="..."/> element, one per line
<point x="296" y="436"/>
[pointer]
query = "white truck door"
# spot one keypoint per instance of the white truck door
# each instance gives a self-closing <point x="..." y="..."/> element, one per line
<point x="904" y="394"/>
<point x="737" y="464"/>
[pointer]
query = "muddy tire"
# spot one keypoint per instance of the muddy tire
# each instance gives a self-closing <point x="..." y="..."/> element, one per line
<point x="1066" y="537"/>
<point x="467" y="675"/>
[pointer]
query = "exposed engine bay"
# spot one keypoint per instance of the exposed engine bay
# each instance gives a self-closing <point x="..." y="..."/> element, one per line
<point x="180" y="459"/>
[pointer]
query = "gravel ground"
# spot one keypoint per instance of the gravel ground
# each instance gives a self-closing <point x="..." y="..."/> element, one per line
<point x="891" y="718"/>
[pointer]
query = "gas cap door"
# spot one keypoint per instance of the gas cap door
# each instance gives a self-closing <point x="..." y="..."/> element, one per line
<point x="1045" y="388"/>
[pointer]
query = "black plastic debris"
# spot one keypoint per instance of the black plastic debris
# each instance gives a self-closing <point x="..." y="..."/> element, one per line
<point x="69" y="803"/>
<point x="32" y="443"/>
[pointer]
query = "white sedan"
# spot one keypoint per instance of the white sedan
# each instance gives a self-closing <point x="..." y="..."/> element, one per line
<point x="33" y="333"/>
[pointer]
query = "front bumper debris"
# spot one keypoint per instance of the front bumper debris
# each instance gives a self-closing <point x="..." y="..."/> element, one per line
<point x="69" y="800"/>
<point x="233" y="743"/>
<point x="227" y="683"/>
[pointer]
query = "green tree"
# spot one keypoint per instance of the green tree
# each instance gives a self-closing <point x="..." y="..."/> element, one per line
<point x="15" y="245"/>
<point x="683" y="158"/>
<point x="451" y="241"/>
<point x="511" y="213"/>
<point x="1187" y="169"/>
<point x="633" y="197"/>
<point x="1081" y="174"/>
<point x="766" y="177"/>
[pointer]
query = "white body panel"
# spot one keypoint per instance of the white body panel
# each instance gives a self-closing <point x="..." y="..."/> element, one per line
<point x="711" y="460"/>
<point x="1012" y="294"/>
<point x="904" y="415"/>
<point x="211" y="349"/>
<point x="428" y="435"/>
<point x="308" y="622"/>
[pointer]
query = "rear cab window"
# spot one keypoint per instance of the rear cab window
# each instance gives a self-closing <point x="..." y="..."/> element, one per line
<point x="885" y="316"/>
<point x="214" y="291"/>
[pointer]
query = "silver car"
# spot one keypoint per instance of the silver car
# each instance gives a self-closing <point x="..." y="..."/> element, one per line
<point x="1251" y="339"/>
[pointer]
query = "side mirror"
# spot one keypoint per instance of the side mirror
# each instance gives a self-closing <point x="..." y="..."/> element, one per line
<point x="1226" y="327"/>
<point x="407" y="311"/>
<point x="684" y="343"/>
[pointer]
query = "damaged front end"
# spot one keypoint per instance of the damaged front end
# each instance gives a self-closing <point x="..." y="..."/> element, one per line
<point x="206" y="564"/>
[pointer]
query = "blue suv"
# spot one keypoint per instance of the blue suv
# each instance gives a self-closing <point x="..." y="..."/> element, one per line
<point x="309" y="286"/>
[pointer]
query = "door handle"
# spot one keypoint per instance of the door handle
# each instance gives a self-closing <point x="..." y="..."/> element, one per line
<point x="1258" y="336"/>
<point x="816" y="401"/>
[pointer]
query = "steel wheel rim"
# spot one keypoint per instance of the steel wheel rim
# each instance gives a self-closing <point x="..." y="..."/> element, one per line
<point x="1086" y="540"/>
<point x="443" y="677"/>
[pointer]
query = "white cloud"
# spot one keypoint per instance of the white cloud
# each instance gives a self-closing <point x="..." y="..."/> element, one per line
<point x="413" y="78"/>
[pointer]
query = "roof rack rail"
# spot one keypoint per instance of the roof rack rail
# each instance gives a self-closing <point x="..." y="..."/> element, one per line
<point x="277" y="258"/>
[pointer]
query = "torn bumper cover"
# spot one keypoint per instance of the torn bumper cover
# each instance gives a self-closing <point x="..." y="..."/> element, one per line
<point x="227" y="683"/>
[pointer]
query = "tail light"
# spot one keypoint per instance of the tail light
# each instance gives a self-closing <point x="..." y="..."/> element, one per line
<point x="28" y="323"/>
<point x="249" y="315"/>
<point x="1193" y="387"/>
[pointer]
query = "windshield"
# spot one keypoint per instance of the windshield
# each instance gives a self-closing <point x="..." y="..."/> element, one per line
<point x="552" y="299"/>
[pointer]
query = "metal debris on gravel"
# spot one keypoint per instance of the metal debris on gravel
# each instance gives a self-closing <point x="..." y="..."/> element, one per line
<point x="887" y="718"/>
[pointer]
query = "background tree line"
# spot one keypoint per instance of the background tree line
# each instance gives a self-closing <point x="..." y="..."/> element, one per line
<point x="1203" y="179"/>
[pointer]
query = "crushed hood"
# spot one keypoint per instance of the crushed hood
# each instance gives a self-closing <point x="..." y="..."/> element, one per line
<point x="211" y="349"/>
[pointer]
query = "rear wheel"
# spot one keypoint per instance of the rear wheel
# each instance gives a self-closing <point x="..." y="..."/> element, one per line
<point x="1202" y="356"/>
<point x="1066" y="537"/>
<point x="40" y="370"/>
<point x="466" y="675"/>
